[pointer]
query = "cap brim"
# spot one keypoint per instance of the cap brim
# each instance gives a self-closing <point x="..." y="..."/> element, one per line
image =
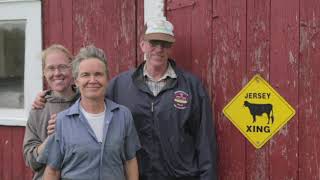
<point x="159" y="36"/>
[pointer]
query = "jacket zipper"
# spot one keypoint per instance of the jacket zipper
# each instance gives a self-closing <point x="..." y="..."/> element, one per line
<point x="152" y="107"/>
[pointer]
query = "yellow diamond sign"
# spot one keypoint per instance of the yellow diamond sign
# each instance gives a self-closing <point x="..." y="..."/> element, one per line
<point x="258" y="111"/>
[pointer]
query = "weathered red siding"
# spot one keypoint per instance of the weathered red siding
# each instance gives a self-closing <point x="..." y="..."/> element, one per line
<point x="309" y="86"/>
<point x="284" y="71"/>
<point x="229" y="67"/>
<point x="258" y="61"/>
<point x="110" y="25"/>
<point x="12" y="166"/>
<point x="278" y="39"/>
<point x="225" y="43"/>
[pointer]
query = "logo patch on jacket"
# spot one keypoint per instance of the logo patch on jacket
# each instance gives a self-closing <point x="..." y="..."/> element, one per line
<point x="180" y="99"/>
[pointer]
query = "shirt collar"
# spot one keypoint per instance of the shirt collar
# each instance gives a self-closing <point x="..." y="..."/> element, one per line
<point x="75" y="108"/>
<point x="169" y="73"/>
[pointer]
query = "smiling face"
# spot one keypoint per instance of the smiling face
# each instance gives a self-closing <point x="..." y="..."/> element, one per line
<point x="157" y="52"/>
<point x="57" y="72"/>
<point x="92" y="79"/>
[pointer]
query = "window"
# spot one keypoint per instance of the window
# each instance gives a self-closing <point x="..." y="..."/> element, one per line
<point x="12" y="37"/>
<point x="20" y="64"/>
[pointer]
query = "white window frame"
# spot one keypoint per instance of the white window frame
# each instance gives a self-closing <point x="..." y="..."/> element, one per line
<point x="29" y="10"/>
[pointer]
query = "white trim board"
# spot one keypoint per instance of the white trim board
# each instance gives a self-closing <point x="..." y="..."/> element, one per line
<point x="153" y="9"/>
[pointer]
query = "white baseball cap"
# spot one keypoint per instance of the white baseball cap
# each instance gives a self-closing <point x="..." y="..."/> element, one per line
<point x="159" y="29"/>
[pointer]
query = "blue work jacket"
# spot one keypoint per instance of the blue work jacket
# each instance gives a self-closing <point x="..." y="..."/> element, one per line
<point x="175" y="127"/>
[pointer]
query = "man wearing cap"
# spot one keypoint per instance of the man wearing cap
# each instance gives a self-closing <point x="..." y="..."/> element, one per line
<point x="171" y="111"/>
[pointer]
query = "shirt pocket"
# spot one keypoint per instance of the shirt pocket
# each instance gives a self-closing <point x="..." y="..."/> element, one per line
<point x="114" y="154"/>
<point x="80" y="155"/>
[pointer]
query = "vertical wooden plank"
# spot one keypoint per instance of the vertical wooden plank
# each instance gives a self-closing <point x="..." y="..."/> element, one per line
<point x="28" y="174"/>
<point x="192" y="28"/>
<point x="140" y="29"/>
<point x="1" y="151"/>
<point x="284" y="58"/>
<point x="181" y="18"/>
<point x="110" y="25"/>
<point x="12" y="166"/>
<point x="309" y="85"/>
<point x="258" y="40"/>
<point x="7" y="163"/>
<point x="57" y="23"/>
<point x="201" y="46"/>
<point x="66" y="20"/>
<point x="18" y="166"/>
<point x="48" y="14"/>
<point x="16" y="161"/>
<point x="45" y="23"/>
<point x="258" y="30"/>
<point x="126" y="55"/>
<point x="82" y="25"/>
<point x="228" y="73"/>
<point x="54" y="23"/>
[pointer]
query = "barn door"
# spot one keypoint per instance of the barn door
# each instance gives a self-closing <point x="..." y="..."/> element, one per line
<point x="193" y="35"/>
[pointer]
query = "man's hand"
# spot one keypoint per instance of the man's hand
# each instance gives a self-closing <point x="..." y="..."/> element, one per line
<point x="51" y="124"/>
<point x="39" y="102"/>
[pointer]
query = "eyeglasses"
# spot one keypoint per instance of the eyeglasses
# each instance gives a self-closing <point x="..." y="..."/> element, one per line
<point x="163" y="44"/>
<point x="61" y="68"/>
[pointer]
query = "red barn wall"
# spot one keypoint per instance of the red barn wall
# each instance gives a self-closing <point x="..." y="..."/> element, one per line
<point x="225" y="43"/>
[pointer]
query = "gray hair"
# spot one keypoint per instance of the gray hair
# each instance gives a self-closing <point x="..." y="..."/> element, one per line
<point x="89" y="52"/>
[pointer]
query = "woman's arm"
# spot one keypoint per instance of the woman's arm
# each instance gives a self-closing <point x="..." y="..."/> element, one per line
<point x="132" y="169"/>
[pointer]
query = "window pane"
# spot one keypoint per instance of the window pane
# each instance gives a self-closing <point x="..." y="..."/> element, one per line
<point x="12" y="47"/>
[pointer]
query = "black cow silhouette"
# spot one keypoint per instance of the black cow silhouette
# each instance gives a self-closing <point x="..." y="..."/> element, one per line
<point x="259" y="109"/>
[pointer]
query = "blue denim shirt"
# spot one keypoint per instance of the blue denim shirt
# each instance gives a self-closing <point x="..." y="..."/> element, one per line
<point x="76" y="152"/>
